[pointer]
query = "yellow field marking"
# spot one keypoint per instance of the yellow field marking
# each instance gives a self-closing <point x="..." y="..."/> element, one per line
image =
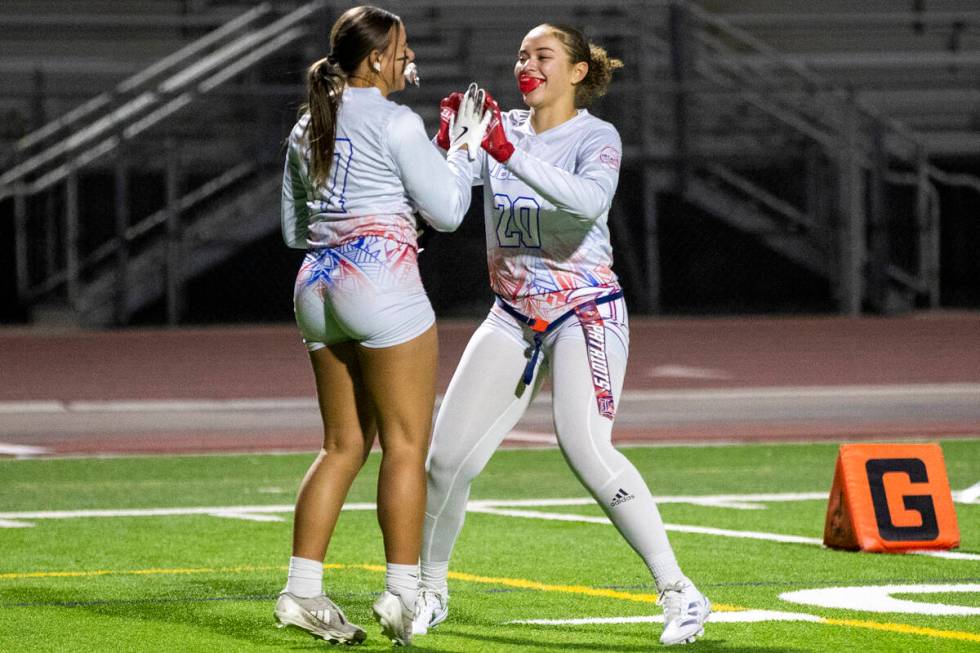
<point x="905" y="629"/>
<point x="720" y="607"/>
<point x="520" y="583"/>
<point x="573" y="589"/>
<point x="172" y="571"/>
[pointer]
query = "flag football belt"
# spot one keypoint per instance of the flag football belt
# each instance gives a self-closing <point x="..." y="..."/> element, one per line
<point x="595" y="344"/>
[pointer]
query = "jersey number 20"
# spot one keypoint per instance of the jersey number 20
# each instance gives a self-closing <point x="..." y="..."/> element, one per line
<point x="517" y="221"/>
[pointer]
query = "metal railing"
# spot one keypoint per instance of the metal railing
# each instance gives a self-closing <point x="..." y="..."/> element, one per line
<point x="718" y="71"/>
<point x="142" y="80"/>
<point x="146" y="99"/>
<point x="112" y="129"/>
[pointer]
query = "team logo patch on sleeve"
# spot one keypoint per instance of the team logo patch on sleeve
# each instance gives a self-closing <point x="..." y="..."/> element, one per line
<point x="595" y="346"/>
<point x="609" y="156"/>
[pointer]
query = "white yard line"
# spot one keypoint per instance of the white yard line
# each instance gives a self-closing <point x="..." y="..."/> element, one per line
<point x="247" y="513"/>
<point x="680" y="528"/>
<point x="739" y="616"/>
<point x="247" y="516"/>
<point x="878" y="598"/>
<point x="534" y="438"/>
<point x="703" y="499"/>
<point x="536" y="514"/>
<point x="948" y="555"/>
<point x="700" y="530"/>
<point x="503" y="507"/>
<point x="687" y="372"/>
<point x="814" y="391"/>
<point x="32" y="407"/>
<point x="186" y="405"/>
<point x="968" y="390"/>
<point x="21" y="450"/>
<point x="969" y="495"/>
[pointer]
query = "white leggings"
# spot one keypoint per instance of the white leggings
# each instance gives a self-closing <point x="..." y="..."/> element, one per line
<point x="486" y="399"/>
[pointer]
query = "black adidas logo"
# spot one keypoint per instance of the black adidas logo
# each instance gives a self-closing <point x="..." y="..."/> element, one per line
<point x="621" y="497"/>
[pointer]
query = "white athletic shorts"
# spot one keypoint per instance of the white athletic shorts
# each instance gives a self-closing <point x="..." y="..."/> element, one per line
<point x="366" y="289"/>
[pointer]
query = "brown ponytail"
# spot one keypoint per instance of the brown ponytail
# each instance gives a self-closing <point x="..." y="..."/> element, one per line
<point x="596" y="82"/>
<point x="601" y="65"/>
<point x="356" y="33"/>
<point x="325" y="87"/>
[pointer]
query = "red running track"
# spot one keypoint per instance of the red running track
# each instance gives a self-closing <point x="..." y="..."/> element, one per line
<point x="268" y="362"/>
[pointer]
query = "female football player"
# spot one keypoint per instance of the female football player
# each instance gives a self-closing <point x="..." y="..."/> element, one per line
<point x="549" y="174"/>
<point x="356" y="168"/>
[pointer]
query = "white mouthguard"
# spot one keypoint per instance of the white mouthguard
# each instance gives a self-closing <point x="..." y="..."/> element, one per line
<point x="412" y="74"/>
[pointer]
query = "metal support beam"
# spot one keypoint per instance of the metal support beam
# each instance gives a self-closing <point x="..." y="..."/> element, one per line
<point x="122" y="243"/>
<point x="878" y="248"/>
<point x="49" y="253"/>
<point x="650" y="297"/>
<point x="927" y="221"/>
<point x="681" y="66"/>
<point x="71" y="238"/>
<point x="39" y="99"/>
<point x="818" y="207"/>
<point x="20" y="247"/>
<point x="173" y="282"/>
<point x="651" y="241"/>
<point x="850" y="225"/>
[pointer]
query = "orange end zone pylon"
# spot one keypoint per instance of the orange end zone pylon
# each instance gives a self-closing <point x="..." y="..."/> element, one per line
<point x="890" y="498"/>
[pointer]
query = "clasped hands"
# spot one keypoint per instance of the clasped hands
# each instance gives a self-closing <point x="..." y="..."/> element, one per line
<point x="472" y="119"/>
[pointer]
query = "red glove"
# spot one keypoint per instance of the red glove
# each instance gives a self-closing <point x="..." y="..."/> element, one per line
<point x="447" y="109"/>
<point x="495" y="141"/>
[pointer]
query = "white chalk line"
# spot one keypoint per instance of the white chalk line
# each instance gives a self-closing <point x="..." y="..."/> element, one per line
<point x="873" y="598"/>
<point x="21" y="451"/>
<point x="680" y="528"/>
<point x="502" y="507"/>
<point x="878" y="598"/>
<point x="688" y="372"/>
<point x="968" y="390"/>
<point x="479" y="505"/>
<point x="533" y="438"/>
<point x="969" y="495"/>
<point x="700" y="530"/>
<point x="740" y="616"/>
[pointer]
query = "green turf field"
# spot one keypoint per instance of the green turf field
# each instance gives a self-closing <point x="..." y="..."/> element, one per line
<point x="205" y="579"/>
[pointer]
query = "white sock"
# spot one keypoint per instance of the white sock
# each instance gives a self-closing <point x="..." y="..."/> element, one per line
<point x="665" y="570"/>
<point x="434" y="576"/>
<point x="305" y="577"/>
<point x="403" y="580"/>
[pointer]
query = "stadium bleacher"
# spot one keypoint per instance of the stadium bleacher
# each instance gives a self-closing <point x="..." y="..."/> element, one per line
<point x="774" y="100"/>
<point x="916" y="61"/>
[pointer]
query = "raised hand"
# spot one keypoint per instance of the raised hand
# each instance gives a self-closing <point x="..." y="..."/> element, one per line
<point x="467" y="127"/>
<point x="447" y="110"/>
<point x="495" y="141"/>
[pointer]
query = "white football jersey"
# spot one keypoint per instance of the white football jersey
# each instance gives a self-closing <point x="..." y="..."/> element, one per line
<point x="546" y="213"/>
<point x="384" y="168"/>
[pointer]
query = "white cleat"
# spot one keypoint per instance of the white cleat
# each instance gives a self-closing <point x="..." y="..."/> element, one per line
<point x="395" y="618"/>
<point x="431" y="609"/>
<point x="319" y="616"/>
<point x="685" y="611"/>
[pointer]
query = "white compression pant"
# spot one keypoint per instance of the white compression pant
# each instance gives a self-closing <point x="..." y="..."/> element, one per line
<point x="484" y="402"/>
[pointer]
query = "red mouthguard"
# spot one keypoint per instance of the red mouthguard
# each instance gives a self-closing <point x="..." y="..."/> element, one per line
<point x="527" y="83"/>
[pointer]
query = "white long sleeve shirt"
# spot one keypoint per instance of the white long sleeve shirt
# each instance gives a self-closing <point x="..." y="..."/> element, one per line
<point x="546" y="213"/>
<point x="384" y="168"/>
